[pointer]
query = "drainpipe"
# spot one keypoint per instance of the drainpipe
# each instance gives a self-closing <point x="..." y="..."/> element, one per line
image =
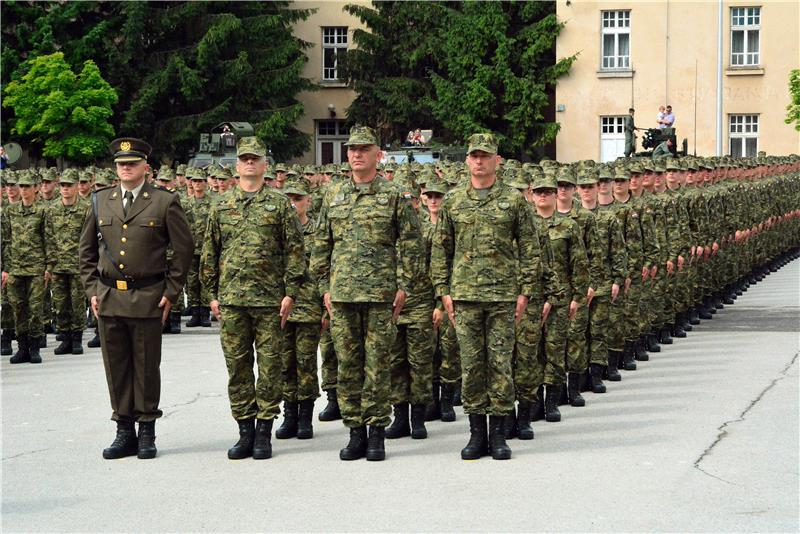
<point x="719" y="79"/>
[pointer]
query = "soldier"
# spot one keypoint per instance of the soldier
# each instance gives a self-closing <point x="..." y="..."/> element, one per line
<point x="49" y="184"/>
<point x="85" y="183"/>
<point x="64" y="222"/>
<point x="302" y="333"/>
<point x="367" y="255"/>
<point x="251" y="268"/>
<point x="24" y="268"/>
<point x="197" y="208"/>
<point x="630" y="134"/>
<point x="131" y="288"/>
<point x="10" y="195"/>
<point x="485" y="265"/>
<point x="664" y="149"/>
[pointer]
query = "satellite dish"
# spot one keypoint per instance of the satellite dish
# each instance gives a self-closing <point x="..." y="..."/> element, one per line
<point x="13" y="152"/>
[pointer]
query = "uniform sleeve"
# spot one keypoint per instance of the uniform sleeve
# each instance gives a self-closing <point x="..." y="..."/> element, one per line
<point x="89" y="254"/>
<point x="633" y="242"/>
<point x="180" y="239"/>
<point x="529" y="254"/>
<point x="442" y="250"/>
<point x="579" y="265"/>
<point x="320" y="263"/>
<point x="594" y="251"/>
<point x="50" y="244"/>
<point x="650" y="246"/>
<point x="5" y="237"/>
<point x="293" y="251"/>
<point x="619" y="253"/>
<point x="209" y="257"/>
<point x="409" y="242"/>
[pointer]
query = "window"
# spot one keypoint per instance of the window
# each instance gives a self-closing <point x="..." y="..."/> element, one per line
<point x="331" y="137"/>
<point x="745" y="31"/>
<point x="612" y="138"/>
<point x="616" y="40"/>
<point x="743" y="135"/>
<point x="334" y="42"/>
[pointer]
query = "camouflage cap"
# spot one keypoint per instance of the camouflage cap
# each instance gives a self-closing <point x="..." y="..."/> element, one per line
<point x="672" y="164"/>
<point x="280" y="167"/>
<point x="545" y="180"/>
<point x="588" y="176"/>
<point x="104" y="177"/>
<point x="344" y="167"/>
<point x="427" y="175"/>
<point x="693" y="164"/>
<point x="251" y="145"/>
<point x="516" y="178"/>
<point x="48" y="175"/>
<point x="390" y="167"/>
<point x="621" y="173"/>
<point x="165" y="174"/>
<point x="196" y="173"/>
<point x="26" y="177"/>
<point x="224" y="173"/>
<point x="213" y="170"/>
<point x="181" y="170"/>
<point x="604" y="172"/>
<point x="296" y="186"/>
<point x="648" y="165"/>
<point x="436" y="185"/>
<point x="707" y="164"/>
<point x="9" y="177"/>
<point x="658" y="166"/>
<point x="69" y="176"/>
<point x="565" y="175"/>
<point x="309" y="169"/>
<point x="485" y="142"/>
<point x="362" y="135"/>
<point x="85" y="175"/>
<point x="636" y="168"/>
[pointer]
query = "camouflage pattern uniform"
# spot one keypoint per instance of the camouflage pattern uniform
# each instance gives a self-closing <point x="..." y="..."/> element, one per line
<point x="197" y="210"/>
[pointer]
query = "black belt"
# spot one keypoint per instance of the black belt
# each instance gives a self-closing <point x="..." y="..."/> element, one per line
<point x="125" y="285"/>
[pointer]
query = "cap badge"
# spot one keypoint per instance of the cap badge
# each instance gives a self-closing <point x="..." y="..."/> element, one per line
<point x="125" y="146"/>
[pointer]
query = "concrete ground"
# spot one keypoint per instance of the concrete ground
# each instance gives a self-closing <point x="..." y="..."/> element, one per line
<point x="704" y="437"/>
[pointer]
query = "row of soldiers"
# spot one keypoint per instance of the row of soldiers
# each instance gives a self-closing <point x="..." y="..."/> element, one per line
<point x="632" y="254"/>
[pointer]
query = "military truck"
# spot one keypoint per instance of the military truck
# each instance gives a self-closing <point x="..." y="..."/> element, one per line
<point x="219" y="145"/>
<point x="424" y="154"/>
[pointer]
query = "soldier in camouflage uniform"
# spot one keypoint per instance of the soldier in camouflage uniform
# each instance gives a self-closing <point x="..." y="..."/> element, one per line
<point x="10" y="197"/>
<point x="24" y="268"/>
<point x="197" y="208"/>
<point x="367" y="256"/>
<point x="252" y="266"/>
<point x="63" y="225"/>
<point x="485" y="267"/>
<point x="302" y="332"/>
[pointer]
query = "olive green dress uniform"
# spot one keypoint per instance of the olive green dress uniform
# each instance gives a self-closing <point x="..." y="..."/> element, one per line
<point x="136" y="239"/>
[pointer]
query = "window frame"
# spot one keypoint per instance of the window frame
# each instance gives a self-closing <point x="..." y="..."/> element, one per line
<point x="618" y="17"/>
<point x="617" y="135"/>
<point x="748" y="15"/>
<point x="340" y="42"/>
<point x="749" y="127"/>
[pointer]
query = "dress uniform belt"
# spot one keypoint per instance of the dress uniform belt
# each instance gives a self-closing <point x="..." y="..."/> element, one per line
<point x="139" y="283"/>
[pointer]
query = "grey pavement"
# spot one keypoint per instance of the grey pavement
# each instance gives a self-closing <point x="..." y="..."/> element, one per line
<point x="704" y="437"/>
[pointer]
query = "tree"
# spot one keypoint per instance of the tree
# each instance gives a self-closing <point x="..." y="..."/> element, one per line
<point x="793" y="109"/>
<point x="65" y="113"/>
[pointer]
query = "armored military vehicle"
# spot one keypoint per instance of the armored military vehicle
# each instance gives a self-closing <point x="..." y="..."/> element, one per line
<point x="219" y="145"/>
<point x="655" y="136"/>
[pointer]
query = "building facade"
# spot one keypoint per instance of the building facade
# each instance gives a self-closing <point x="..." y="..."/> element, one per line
<point x="723" y="66"/>
<point x="330" y="31"/>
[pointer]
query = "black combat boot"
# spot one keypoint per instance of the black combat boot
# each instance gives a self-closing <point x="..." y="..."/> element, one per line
<point x="23" y="354"/>
<point x="41" y="341"/>
<point x="262" y="444"/>
<point x="497" y="439"/>
<point x="399" y="427"/>
<point x="33" y="348"/>
<point x="288" y="428"/>
<point x="174" y="322"/>
<point x="614" y="357"/>
<point x="478" y="444"/>
<point x="574" y="390"/>
<point x="205" y="317"/>
<point x="524" y="429"/>
<point x="553" y="393"/>
<point x="48" y="329"/>
<point x="77" y="342"/>
<point x="717" y="302"/>
<point x="510" y="425"/>
<point x="187" y="312"/>
<point x="375" y="450"/>
<point x="664" y="336"/>
<point x="685" y="324"/>
<point x="537" y="406"/>
<point x="5" y="343"/>
<point x="194" y="322"/>
<point x="357" y="446"/>
<point x="457" y="394"/>
<point x="433" y="411"/>
<point x="704" y="313"/>
<point x="244" y="447"/>
<point x="147" y="440"/>
<point x="418" y="430"/>
<point x="629" y="356"/>
<point x="61" y="336"/>
<point x="596" y="373"/>
<point x="331" y="411"/>
<point x="65" y="347"/>
<point x="446" y="402"/>
<point x="677" y="328"/>
<point x="305" y="414"/>
<point x="124" y="443"/>
<point x="652" y="342"/>
<point x="95" y="341"/>
<point x="693" y="316"/>
<point x="640" y="350"/>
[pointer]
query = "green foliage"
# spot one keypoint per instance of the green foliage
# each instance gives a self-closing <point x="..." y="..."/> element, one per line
<point x="793" y="109"/>
<point x="66" y="113"/>
<point x="459" y="68"/>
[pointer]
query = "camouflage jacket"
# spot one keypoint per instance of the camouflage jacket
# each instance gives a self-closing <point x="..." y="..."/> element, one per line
<point x="586" y="222"/>
<point x="363" y="233"/>
<point x="63" y="226"/>
<point x="610" y="253"/>
<point x="486" y="249"/>
<point x="647" y="229"/>
<point x="253" y="251"/>
<point x="308" y="304"/>
<point x="677" y="205"/>
<point x="197" y="210"/>
<point x="569" y="262"/>
<point x="421" y="302"/>
<point x="628" y="220"/>
<point x="23" y="237"/>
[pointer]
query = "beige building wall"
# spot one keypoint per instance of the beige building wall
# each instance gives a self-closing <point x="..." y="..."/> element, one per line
<point x="332" y="99"/>
<point x="673" y="60"/>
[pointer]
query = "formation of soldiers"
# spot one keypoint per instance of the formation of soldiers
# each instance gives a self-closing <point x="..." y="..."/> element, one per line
<point x="512" y="303"/>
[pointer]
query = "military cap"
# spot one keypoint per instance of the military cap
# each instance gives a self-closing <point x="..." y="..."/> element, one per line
<point x="104" y="177"/>
<point x="181" y="170"/>
<point x="565" y="174"/>
<point x="251" y="145"/>
<point x="196" y="173"/>
<point x="708" y="164"/>
<point x="280" y="167"/>
<point x="85" y="175"/>
<point x="296" y="186"/>
<point x="69" y="176"/>
<point x="215" y="170"/>
<point x="587" y="176"/>
<point x="9" y="177"/>
<point x="26" y="177"/>
<point x="344" y="167"/>
<point x="292" y="173"/>
<point x="436" y="185"/>
<point x="545" y="180"/>
<point x="426" y="176"/>
<point x="647" y="165"/>
<point x="129" y="149"/>
<point x="621" y="173"/>
<point x="451" y="178"/>
<point x="48" y="175"/>
<point x="408" y="189"/>
<point x="658" y="166"/>
<point x="605" y="172"/>
<point x="691" y="164"/>
<point x="309" y="169"/>
<point x="516" y="178"/>
<point x="165" y="174"/>
<point x="390" y="166"/>
<point x="485" y="142"/>
<point x="362" y="135"/>
<point x="224" y="173"/>
<point x="269" y="174"/>
<point x="636" y="167"/>
<point x="673" y="164"/>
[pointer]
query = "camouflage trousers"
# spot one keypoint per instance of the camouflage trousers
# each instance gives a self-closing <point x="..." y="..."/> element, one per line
<point x="631" y="313"/>
<point x="363" y="335"/>
<point x="412" y="359"/>
<point x="528" y="373"/>
<point x="577" y="360"/>
<point x="242" y="328"/>
<point x="447" y="358"/>
<point x="47" y="307"/>
<point x="598" y="324"/>
<point x="69" y="302"/>
<point x="25" y="296"/>
<point x="194" y="294"/>
<point x="485" y="333"/>
<point x="615" y="333"/>
<point x="7" y="317"/>
<point x="300" y="380"/>
<point x="553" y="357"/>
<point x="330" y="363"/>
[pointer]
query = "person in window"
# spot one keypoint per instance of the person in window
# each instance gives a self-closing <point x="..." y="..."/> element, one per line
<point x="410" y="138"/>
<point x="417" y="139"/>
<point x="660" y="116"/>
<point x="669" y="119"/>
